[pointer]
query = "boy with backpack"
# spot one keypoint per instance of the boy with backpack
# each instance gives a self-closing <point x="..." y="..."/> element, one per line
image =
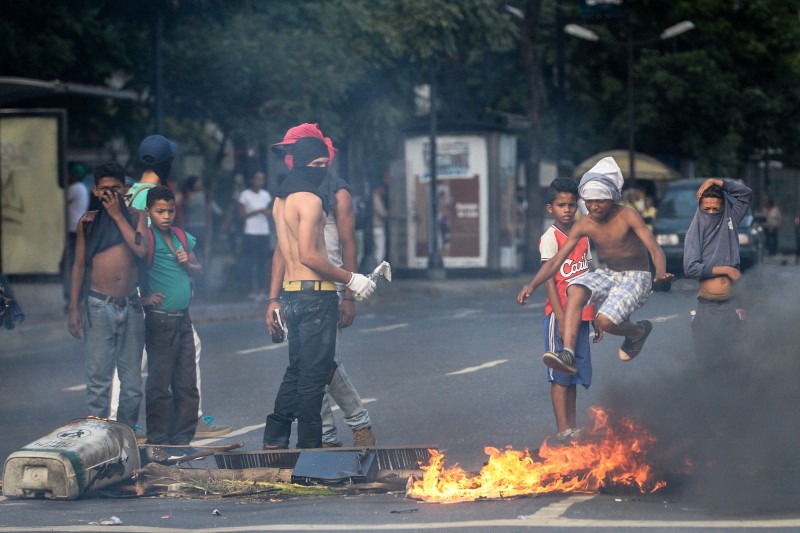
<point x="156" y="154"/>
<point x="171" y="395"/>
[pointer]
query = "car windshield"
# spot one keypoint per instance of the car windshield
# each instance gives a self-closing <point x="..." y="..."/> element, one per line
<point x="678" y="204"/>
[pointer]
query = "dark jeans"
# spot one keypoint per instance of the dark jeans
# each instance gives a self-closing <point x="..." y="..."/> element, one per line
<point x="256" y="255"/>
<point x="171" y="395"/>
<point x="772" y="240"/>
<point x="311" y="317"/>
<point x="716" y="331"/>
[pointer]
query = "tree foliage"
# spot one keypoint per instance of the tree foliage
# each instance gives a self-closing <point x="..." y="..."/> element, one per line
<point x="717" y="95"/>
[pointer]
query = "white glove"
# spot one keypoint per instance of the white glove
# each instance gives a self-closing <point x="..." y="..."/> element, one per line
<point x="361" y="286"/>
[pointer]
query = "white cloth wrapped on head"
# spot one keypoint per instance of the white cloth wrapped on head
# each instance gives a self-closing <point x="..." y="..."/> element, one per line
<point x="603" y="181"/>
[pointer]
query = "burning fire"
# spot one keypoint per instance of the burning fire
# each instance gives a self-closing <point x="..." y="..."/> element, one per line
<point x="613" y="455"/>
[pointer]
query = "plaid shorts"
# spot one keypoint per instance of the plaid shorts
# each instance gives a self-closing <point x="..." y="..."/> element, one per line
<point x="616" y="294"/>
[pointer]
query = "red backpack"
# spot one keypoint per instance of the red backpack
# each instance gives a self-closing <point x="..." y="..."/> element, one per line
<point x="152" y="249"/>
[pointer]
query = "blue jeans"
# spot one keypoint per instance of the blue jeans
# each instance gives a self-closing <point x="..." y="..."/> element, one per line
<point x="171" y="389"/>
<point x="311" y="318"/>
<point x="114" y="338"/>
<point x="342" y="391"/>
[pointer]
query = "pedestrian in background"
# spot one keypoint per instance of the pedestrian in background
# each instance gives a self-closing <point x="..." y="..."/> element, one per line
<point x="77" y="205"/>
<point x="255" y="209"/>
<point x="772" y="225"/>
<point x="379" y="217"/>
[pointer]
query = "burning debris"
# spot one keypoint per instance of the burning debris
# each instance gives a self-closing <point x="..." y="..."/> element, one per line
<point x="612" y="456"/>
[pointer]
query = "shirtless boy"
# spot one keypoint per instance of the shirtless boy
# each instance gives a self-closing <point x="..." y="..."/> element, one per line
<point x="104" y="306"/>
<point x="623" y="242"/>
<point x="711" y="255"/>
<point x="310" y="300"/>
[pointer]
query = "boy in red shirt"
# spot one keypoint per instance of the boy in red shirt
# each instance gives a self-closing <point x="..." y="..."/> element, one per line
<point x="563" y="204"/>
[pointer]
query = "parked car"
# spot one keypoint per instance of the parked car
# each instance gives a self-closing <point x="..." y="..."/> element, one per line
<point x="675" y="213"/>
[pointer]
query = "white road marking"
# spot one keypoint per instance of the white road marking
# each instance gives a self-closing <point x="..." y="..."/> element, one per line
<point x="248" y="429"/>
<point x="390" y="327"/>
<point x="470" y="369"/>
<point x="664" y="318"/>
<point x="266" y="348"/>
<point x="466" y="525"/>
<point x="557" y="509"/>
<point x="363" y="400"/>
<point x="466" y="312"/>
<point x="234" y="433"/>
<point x="82" y="386"/>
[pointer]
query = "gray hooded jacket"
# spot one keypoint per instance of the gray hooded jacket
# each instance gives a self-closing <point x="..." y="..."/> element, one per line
<point x="712" y="239"/>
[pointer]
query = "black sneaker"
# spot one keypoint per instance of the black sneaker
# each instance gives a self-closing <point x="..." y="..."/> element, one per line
<point x="631" y="347"/>
<point x="563" y="361"/>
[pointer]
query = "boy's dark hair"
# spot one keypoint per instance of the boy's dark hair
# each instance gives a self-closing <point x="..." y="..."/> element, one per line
<point x="561" y="185"/>
<point x="109" y="170"/>
<point x="159" y="192"/>
<point x="714" y="191"/>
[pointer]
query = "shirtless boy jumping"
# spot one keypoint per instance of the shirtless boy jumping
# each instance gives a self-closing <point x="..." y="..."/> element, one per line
<point x="623" y="243"/>
<point x="309" y="297"/>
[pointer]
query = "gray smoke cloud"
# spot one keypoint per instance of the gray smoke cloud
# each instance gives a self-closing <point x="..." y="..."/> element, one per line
<point x="738" y="426"/>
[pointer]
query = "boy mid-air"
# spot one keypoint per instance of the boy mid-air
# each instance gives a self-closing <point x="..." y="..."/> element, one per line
<point x="623" y="242"/>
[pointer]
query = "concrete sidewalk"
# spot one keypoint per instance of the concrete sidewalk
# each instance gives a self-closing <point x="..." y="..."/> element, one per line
<point x="43" y="326"/>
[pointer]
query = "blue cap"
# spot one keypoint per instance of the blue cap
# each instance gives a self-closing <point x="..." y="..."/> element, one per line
<point x="156" y="149"/>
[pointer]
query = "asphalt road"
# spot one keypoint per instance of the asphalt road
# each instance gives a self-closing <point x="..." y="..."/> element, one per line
<point x="456" y="364"/>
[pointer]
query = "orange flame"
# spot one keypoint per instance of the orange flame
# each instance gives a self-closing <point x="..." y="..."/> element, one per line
<point x="612" y="456"/>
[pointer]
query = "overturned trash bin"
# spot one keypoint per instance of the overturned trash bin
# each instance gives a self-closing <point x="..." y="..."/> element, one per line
<point x="84" y="455"/>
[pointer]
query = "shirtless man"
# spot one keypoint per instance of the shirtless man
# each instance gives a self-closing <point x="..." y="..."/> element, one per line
<point x="310" y="300"/>
<point x="623" y="243"/>
<point x="711" y="255"/>
<point x="341" y="248"/>
<point x="104" y="306"/>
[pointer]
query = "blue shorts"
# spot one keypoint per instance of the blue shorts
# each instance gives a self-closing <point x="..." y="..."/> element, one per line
<point x="616" y="294"/>
<point x="583" y="354"/>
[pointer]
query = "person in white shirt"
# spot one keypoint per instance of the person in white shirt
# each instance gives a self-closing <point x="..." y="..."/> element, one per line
<point x="255" y="208"/>
<point x="77" y="205"/>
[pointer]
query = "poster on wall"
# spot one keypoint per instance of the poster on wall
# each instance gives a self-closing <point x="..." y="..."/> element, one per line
<point x="461" y="219"/>
<point x="31" y="202"/>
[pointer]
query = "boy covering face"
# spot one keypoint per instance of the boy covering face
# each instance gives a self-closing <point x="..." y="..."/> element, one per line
<point x="104" y="306"/>
<point x="711" y="255"/>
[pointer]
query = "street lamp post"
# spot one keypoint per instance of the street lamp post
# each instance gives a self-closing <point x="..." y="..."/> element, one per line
<point x="588" y="35"/>
<point x="435" y="262"/>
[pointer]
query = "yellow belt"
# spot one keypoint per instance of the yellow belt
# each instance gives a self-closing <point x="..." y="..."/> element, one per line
<point x="308" y="285"/>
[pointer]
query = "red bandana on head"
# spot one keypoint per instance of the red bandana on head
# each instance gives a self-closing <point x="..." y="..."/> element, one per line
<point x="298" y="132"/>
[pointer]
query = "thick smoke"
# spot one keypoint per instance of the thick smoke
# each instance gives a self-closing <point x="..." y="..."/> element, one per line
<point x="730" y="439"/>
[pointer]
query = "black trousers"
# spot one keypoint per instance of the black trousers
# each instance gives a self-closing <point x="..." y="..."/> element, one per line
<point x="171" y="394"/>
<point x="311" y="318"/>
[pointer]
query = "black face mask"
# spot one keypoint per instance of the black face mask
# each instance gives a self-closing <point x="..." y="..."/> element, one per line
<point x="314" y="175"/>
<point x="305" y="179"/>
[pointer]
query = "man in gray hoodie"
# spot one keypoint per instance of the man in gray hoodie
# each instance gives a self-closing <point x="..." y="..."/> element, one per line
<point x="711" y="255"/>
